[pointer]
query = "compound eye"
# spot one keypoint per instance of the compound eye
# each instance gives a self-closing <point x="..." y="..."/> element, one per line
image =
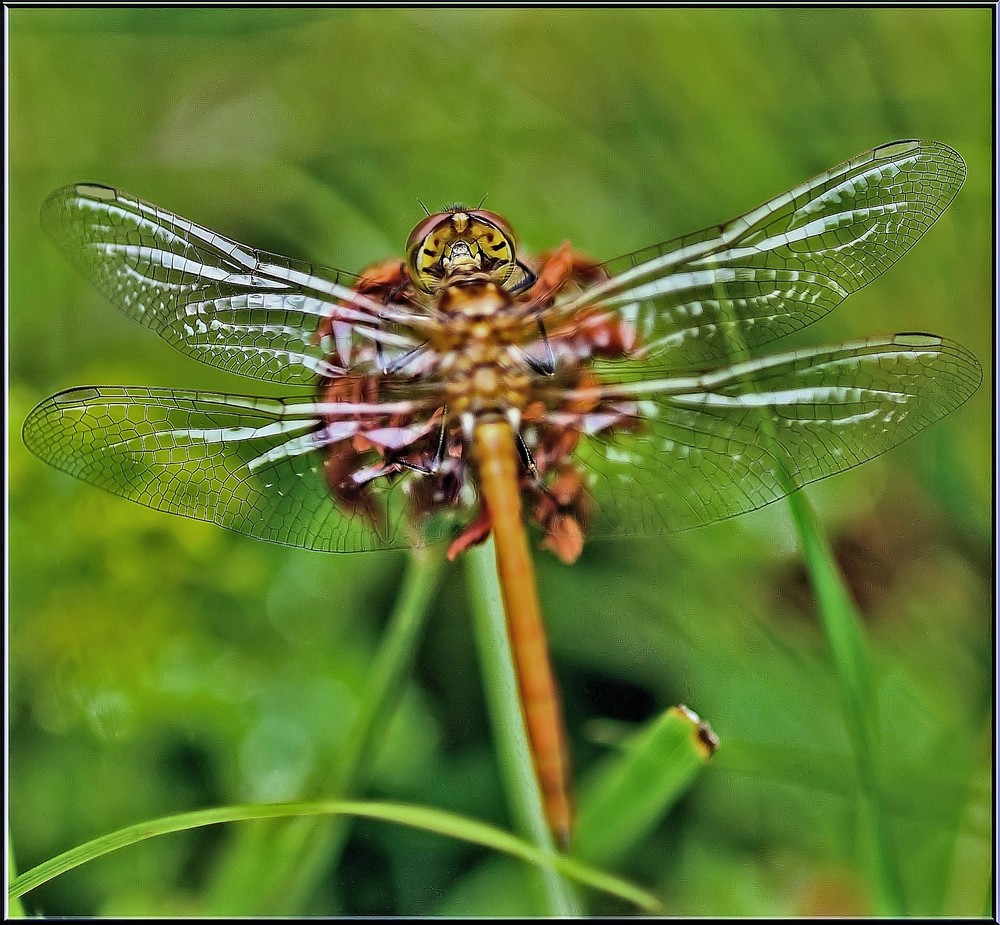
<point x="498" y="221"/>
<point x="424" y="249"/>
<point x="425" y="228"/>
<point x="496" y="242"/>
<point x="489" y="245"/>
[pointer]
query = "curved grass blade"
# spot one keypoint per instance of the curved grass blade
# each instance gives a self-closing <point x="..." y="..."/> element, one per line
<point x="15" y="908"/>
<point x="419" y="817"/>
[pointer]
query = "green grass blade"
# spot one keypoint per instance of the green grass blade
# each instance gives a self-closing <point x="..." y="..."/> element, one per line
<point x="626" y="798"/>
<point x="381" y="696"/>
<point x="503" y="701"/>
<point x="15" y="908"/>
<point x="842" y="626"/>
<point x="419" y="817"/>
<point x="274" y="870"/>
<point x="850" y="655"/>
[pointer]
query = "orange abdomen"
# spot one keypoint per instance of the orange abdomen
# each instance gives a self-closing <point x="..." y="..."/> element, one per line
<point x="496" y="457"/>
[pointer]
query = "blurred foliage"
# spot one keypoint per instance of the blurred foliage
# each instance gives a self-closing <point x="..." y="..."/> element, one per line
<point x="159" y="665"/>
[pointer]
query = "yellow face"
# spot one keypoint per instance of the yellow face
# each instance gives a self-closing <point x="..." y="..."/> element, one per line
<point x="460" y="241"/>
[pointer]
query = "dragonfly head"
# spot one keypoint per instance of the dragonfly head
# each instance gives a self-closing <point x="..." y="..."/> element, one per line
<point x="460" y="241"/>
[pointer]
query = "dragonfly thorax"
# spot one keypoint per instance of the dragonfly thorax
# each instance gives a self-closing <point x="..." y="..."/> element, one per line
<point x="478" y="344"/>
<point x="470" y="296"/>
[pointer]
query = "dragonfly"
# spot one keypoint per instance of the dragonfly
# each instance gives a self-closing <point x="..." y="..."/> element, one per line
<point x="468" y="390"/>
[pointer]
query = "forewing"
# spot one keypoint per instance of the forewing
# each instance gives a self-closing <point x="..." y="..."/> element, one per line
<point x="240" y="309"/>
<point x="252" y="465"/>
<point x="709" y="447"/>
<point x="710" y="295"/>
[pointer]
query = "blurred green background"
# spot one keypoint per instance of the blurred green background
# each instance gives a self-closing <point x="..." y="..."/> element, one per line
<point x="158" y="664"/>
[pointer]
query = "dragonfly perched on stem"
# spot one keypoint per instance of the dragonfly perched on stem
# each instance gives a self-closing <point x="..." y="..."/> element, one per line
<point x="467" y="389"/>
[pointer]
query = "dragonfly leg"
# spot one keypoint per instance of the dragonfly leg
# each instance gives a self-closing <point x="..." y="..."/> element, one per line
<point x="527" y="281"/>
<point x="529" y="462"/>
<point x="437" y="463"/>
<point x="394" y="366"/>
<point x="546" y="364"/>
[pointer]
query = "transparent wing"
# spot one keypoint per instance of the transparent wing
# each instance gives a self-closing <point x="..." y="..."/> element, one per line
<point x="708" y="447"/>
<point x="243" y="310"/>
<point x="252" y="465"/>
<point x="783" y="265"/>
